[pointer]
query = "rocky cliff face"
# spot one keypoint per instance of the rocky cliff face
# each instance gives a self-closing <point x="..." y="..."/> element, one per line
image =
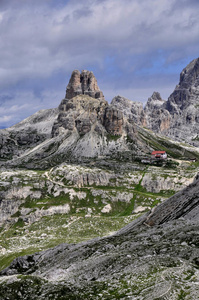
<point x="79" y="113"/>
<point x="183" y="105"/>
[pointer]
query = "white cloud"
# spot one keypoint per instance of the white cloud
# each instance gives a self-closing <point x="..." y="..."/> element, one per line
<point x="24" y="104"/>
<point x="39" y="39"/>
<point x="5" y="119"/>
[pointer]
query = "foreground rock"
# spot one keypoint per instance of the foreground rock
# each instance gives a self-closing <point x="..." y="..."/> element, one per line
<point x="155" y="255"/>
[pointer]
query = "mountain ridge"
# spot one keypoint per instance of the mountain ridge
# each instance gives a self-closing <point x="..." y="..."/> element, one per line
<point x="85" y="125"/>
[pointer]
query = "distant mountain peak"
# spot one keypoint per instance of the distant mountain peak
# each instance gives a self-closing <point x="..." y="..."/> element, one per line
<point x="156" y="96"/>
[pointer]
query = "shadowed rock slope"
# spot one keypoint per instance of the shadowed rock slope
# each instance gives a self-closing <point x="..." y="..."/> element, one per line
<point x="154" y="257"/>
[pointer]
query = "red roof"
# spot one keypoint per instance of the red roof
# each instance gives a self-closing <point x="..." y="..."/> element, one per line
<point x="158" y="152"/>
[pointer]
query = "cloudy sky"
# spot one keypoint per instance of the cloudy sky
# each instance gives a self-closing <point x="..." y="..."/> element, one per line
<point x="134" y="47"/>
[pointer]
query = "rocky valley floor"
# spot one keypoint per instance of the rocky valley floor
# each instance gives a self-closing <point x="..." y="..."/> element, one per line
<point x="75" y="203"/>
<point x="136" y="263"/>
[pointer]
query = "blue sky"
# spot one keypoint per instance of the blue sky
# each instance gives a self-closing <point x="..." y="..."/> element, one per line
<point x="134" y="47"/>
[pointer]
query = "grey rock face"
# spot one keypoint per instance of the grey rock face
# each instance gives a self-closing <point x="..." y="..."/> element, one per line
<point x="113" y="121"/>
<point x="186" y="92"/>
<point x="183" y="204"/>
<point x="157" y="117"/>
<point x="133" y="111"/>
<point x="155" y="101"/>
<point x="183" y="104"/>
<point x="80" y="113"/>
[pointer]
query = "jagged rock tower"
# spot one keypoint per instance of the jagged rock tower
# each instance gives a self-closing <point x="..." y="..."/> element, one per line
<point x="84" y="108"/>
<point x="83" y="83"/>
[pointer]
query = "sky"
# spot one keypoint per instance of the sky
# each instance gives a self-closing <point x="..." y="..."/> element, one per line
<point x="133" y="47"/>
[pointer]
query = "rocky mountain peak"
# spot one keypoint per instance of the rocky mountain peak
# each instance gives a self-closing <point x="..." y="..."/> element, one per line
<point x="187" y="91"/>
<point x="190" y="75"/>
<point x="157" y="118"/>
<point x="154" y="102"/>
<point x="156" y="96"/>
<point x="85" y="110"/>
<point x="83" y="83"/>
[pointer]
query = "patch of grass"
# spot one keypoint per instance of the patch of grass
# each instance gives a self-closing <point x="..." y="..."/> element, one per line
<point x="58" y="229"/>
<point x="46" y="202"/>
<point x="111" y="137"/>
<point x="16" y="215"/>
<point x="182" y="295"/>
<point x="139" y="186"/>
<point x="190" y="273"/>
<point x="19" y="223"/>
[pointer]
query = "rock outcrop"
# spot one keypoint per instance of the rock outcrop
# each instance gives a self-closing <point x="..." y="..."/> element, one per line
<point x="80" y="113"/>
<point x="183" y="204"/>
<point x="113" y="121"/>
